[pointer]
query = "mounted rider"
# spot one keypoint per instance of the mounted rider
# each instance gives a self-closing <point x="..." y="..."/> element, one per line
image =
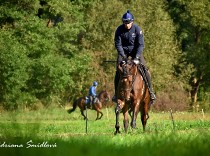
<point x="129" y="42"/>
<point x="92" y="93"/>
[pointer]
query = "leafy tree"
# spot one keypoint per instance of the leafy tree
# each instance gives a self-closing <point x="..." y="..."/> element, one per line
<point x="192" y="19"/>
<point x="39" y="51"/>
<point x="13" y="71"/>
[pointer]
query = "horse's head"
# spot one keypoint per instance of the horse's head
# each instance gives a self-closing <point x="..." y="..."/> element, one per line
<point x="127" y="72"/>
<point x="107" y="95"/>
<point x="104" y="96"/>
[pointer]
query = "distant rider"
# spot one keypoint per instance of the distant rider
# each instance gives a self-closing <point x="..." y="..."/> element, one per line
<point x="92" y="93"/>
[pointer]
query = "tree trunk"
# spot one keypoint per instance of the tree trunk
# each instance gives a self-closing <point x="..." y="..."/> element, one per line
<point x="194" y="91"/>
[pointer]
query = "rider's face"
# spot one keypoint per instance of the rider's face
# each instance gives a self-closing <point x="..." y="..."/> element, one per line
<point x="128" y="25"/>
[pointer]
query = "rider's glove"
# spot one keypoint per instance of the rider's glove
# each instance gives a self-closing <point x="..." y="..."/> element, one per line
<point x="136" y="60"/>
<point x="122" y="63"/>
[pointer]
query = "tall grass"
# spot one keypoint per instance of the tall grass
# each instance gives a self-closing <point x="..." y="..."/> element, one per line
<point x="67" y="132"/>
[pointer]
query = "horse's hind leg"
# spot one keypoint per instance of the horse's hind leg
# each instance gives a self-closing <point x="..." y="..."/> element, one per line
<point x="143" y="121"/>
<point x="82" y="112"/>
<point x="147" y="116"/>
<point x="144" y="118"/>
<point x="101" y="115"/>
<point x="98" y="112"/>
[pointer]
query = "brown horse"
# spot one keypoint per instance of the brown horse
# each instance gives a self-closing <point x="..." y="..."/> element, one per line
<point x="132" y="94"/>
<point x="102" y="98"/>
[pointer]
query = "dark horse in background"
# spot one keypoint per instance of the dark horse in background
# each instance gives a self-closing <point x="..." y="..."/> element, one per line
<point x="102" y="98"/>
<point x="132" y="94"/>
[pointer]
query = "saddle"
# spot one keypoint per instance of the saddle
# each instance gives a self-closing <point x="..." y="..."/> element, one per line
<point x="88" y="100"/>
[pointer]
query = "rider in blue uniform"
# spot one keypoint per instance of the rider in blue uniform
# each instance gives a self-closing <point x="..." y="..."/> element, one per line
<point x="129" y="41"/>
<point x="92" y="93"/>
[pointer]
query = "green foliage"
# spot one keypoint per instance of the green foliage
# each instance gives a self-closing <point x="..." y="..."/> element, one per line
<point x="13" y="70"/>
<point x="38" y="59"/>
<point x="54" y="49"/>
<point x="161" y="48"/>
<point x="102" y="18"/>
<point x="192" y="19"/>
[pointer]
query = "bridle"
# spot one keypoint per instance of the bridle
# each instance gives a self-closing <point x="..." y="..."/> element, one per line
<point x="126" y="74"/>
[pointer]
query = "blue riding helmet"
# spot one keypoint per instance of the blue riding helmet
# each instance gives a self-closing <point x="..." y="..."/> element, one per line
<point x="95" y="83"/>
<point x="127" y="17"/>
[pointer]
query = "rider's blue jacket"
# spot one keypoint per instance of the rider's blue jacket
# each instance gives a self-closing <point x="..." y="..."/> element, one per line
<point x="129" y="42"/>
<point x="92" y="91"/>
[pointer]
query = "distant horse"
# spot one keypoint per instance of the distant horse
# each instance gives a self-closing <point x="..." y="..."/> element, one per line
<point x="102" y="98"/>
<point x="132" y="94"/>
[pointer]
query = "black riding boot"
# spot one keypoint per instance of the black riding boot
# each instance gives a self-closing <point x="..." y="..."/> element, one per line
<point x="148" y="77"/>
<point x="116" y="81"/>
<point x="93" y="102"/>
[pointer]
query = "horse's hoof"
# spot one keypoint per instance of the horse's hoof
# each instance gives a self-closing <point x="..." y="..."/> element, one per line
<point x="115" y="133"/>
<point x="134" y="127"/>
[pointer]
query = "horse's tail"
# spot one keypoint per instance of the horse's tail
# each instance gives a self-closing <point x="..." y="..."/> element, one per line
<point x="74" y="107"/>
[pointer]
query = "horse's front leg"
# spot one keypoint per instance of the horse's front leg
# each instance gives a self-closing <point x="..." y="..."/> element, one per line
<point x="144" y="116"/>
<point x="120" y="105"/>
<point x="134" y="113"/>
<point x="117" y="114"/>
<point x="82" y="112"/>
<point x="126" y="120"/>
<point x="99" y="112"/>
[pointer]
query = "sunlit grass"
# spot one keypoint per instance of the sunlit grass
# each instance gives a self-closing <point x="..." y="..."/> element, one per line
<point x="69" y="132"/>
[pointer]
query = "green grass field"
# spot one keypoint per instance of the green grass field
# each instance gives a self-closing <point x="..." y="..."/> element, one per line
<point x="55" y="132"/>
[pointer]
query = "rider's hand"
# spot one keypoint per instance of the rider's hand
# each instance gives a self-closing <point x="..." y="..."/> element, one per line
<point x="136" y="61"/>
<point x="122" y="63"/>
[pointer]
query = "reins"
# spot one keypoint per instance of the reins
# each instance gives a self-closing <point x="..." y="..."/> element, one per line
<point x="134" y="78"/>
